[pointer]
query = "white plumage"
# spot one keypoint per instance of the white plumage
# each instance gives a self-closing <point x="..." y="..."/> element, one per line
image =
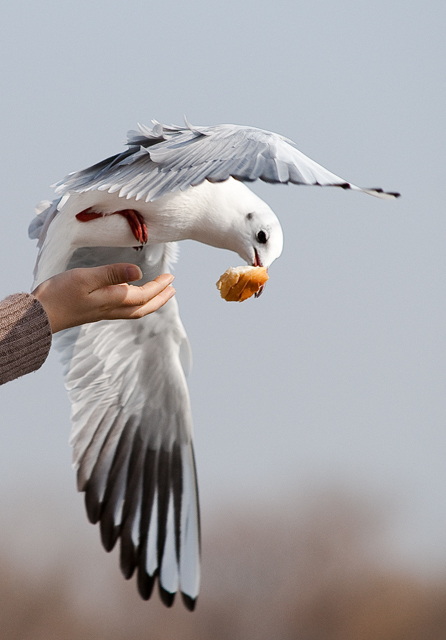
<point x="131" y="418"/>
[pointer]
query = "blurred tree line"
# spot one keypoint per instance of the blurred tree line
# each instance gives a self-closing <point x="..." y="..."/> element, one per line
<point x="270" y="573"/>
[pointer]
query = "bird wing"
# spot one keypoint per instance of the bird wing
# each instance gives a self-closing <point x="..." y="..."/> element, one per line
<point x="132" y="435"/>
<point x="166" y="159"/>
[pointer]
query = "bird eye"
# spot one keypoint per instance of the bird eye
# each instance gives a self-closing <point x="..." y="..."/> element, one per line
<point x="262" y="237"/>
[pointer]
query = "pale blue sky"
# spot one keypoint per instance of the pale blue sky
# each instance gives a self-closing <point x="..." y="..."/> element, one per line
<point x="336" y="374"/>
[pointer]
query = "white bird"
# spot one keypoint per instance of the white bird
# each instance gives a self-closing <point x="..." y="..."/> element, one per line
<point x="131" y="417"/>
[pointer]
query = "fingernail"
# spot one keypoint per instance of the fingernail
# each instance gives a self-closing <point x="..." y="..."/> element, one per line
<point x="133" y="273"/>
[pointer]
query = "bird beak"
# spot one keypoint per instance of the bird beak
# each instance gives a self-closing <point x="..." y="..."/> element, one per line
<point x="258" y="263"/>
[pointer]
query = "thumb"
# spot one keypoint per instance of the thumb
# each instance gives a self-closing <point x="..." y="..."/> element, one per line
<point x="111" y="274"/>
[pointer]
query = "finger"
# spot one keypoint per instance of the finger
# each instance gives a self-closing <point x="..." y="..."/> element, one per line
<point x="130" y="296"/>
<point x="139" y="311"/>
<point x="136" y="296"/>
<point x="112" y="274"/>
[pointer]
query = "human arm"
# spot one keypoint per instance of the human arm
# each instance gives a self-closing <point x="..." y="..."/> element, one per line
<point x="74" y="297"/>
<point x="25" y="336"/>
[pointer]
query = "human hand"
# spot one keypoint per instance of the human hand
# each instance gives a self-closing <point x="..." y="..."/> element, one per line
<point x="85" y="295"/>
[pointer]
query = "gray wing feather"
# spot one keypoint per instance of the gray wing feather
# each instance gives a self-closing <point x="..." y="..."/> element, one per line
<point x="132" y="435"/>
<point x="166" y="159"/>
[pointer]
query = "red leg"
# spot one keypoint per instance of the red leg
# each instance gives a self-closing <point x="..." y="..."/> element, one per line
<point x="135" y="220"/>
<point x="88" y="214"/>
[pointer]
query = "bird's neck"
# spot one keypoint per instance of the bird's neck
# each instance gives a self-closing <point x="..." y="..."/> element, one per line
<point x="209" y="218"/>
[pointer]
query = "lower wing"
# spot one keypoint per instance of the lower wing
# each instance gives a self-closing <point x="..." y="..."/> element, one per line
<point x="132" y="435"/>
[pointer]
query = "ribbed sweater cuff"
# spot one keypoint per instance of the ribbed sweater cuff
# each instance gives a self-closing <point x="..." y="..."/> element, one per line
<point x="25" y="336"/>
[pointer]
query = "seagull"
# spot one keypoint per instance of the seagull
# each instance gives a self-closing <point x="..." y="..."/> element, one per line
<point x="131" y="416"/>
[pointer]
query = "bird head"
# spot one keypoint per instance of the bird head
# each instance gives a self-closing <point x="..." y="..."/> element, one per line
<point x="255" y="234"/>
<point x="263" y="237"/>
<point x="235" y="218"/>
<point x="230" y="216"/>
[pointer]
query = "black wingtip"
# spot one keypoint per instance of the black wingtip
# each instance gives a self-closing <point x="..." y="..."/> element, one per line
<point x="145" y="584"/>
<point x="92" y="506"/>
<point x="374" y="190"/>
<point x="393" y="194"/>
<point x="189" y="602"/>
<point x="109" y="535"/>
<point x="127" y="559"/>
<point x="166" y="596"/>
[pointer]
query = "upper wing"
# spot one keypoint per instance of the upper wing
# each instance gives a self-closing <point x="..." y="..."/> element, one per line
<point x="165" y="159"/>
<point x="132" y="436"/>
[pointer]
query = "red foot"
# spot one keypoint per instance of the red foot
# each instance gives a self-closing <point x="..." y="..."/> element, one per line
<point x="135" y="220"/>
<point x="137" y="224"/>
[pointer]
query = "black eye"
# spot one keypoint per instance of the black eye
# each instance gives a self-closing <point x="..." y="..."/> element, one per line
<point x="261" y="237"/>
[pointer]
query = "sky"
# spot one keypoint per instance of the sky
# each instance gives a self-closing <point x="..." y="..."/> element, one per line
<point x="335" y="377"/>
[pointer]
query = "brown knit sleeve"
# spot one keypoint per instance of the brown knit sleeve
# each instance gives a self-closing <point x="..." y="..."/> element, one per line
<point x="25" y="336"/>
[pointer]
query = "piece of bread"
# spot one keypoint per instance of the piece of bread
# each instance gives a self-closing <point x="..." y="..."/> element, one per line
<point x="240" y="283"/>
